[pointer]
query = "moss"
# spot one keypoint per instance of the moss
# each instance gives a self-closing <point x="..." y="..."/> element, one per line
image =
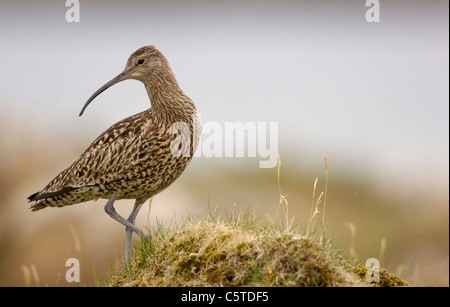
<point x="386" y="279"/>
<point x="224" y="254"/>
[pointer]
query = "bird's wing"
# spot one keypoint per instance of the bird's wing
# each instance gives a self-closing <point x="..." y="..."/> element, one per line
<point x="107" y="159"/>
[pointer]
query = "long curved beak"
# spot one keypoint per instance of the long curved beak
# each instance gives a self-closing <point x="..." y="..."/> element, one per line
<point x="122" y="76"/>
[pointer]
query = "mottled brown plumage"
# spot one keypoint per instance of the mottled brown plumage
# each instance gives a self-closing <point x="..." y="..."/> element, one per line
<point x="139" y="156"/>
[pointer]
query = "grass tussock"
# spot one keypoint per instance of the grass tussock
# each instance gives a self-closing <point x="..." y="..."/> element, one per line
<point x="224" y="254"/>
<point x="221" y="253"/>
<point x="240" y="251"/>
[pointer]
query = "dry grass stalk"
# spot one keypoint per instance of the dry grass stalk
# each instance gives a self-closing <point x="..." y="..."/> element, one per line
<point x="30" y="275"/>
<point x="352" y="227"/>
<point x="283" y="198"/>
<point x="314" y="208"/>
<point x="76" y="239"/>
<point x="326" y="190"/>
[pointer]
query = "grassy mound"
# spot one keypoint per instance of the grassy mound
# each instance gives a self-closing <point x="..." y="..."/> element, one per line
<point x="218" y="253"/>
<point x="242" y="251"/>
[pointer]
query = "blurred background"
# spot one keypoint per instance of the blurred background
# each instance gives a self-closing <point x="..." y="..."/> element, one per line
<point x="373" y="97"/>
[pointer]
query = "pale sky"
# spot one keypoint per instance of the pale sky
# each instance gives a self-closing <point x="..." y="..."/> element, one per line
<point x="372" y="95"/>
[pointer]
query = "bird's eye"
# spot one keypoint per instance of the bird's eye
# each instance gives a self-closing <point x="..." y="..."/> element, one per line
<point x="141" y="61"/>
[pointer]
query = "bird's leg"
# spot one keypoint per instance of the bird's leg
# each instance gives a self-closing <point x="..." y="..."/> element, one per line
<point x="137" y="206"/>
<point x="109" y="208"/>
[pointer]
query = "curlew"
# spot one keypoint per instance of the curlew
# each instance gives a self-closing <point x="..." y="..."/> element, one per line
<point x="137" y="157"/>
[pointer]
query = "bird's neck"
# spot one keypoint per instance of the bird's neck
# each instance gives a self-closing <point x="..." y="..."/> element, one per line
<point x="169" y="103"/>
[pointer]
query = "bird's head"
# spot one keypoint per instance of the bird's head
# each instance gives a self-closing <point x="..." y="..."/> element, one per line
<point x="140" y="65"/>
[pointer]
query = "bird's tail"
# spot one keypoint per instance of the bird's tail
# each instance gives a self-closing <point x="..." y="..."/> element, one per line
<point x="64" y="197"/>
